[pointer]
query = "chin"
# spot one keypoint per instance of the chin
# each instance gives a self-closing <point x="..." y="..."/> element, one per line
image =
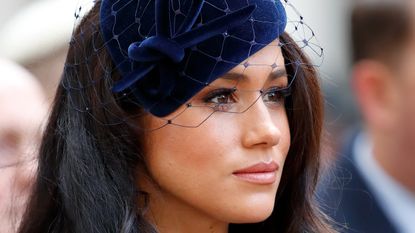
<point x="251" y="217"/>
<point x="254" y="212"/>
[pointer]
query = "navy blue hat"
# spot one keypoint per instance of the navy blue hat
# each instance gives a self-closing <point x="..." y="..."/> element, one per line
<point x="168" y="50"/>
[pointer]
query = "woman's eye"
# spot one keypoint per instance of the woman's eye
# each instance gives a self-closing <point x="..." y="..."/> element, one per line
<point x="220" y="98"/>
<point x="274" y="95"/>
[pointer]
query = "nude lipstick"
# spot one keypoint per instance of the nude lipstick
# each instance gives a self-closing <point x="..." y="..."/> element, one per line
<point x="260" y="173"/>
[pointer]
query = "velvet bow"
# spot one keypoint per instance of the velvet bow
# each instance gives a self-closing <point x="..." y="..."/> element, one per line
<point x="164" y="50"/>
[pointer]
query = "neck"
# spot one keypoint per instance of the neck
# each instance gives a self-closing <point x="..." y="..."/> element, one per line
<point x="172" y="215"/>
<point x="395" y="160"/>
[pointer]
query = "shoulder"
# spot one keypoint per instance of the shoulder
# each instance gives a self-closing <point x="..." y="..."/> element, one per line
<point x="345" y="197"/>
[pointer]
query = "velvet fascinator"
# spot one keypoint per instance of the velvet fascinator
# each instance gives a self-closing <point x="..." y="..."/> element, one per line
<point x="168" y="50"/>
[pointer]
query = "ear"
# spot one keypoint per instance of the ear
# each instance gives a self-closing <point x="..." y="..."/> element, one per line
<point x="375" y="92"/>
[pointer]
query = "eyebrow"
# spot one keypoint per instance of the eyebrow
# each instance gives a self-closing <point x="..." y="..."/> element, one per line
<point x="279" y="73"/>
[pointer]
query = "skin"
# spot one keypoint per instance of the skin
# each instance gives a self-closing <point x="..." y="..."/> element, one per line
<point x="192" y="186"/>
<point x="386" y="98"/>
<point x="23" y="108"/>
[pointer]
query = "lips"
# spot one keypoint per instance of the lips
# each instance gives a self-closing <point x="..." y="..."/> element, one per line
<point x="260" y="173"/>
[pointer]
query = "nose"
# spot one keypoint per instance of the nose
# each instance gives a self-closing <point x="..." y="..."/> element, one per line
<point x="260" y="127"/>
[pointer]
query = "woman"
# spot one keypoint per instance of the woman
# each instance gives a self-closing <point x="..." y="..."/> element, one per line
<point x="181" y="116"/>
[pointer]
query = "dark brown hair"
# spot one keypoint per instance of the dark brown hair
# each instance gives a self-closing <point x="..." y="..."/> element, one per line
<point x="380" y="31"/>
<point x="87" y="167"/>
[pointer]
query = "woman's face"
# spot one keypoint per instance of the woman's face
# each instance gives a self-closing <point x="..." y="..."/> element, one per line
<point x="227" y="169"/>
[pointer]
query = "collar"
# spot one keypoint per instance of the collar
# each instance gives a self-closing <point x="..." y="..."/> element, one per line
<point x="397" y="202"/>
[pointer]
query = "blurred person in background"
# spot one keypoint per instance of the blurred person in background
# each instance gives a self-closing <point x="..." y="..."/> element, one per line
<point x="45" y="54"/>
<point x="373" y="185"/>
<point x="23" y="109"/>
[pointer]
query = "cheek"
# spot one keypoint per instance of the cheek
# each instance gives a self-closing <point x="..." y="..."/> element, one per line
<point x="189" y="156"/>
<point x="281" y="120"/>
<point x="192" y="165"/>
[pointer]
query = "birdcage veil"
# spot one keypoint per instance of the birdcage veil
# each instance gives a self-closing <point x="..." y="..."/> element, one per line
<point x="178" y="48"/>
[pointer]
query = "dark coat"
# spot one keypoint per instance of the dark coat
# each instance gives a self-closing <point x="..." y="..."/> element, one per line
<point x="346" y="198"/>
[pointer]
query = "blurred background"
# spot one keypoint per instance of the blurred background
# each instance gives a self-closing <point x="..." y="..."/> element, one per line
<point x="35" y="34"/>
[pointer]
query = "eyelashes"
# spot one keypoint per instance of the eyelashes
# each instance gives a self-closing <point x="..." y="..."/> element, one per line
<point x="231" y="99"/>
<point x="276" y="94"/>
<point x="221" y="95"/>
